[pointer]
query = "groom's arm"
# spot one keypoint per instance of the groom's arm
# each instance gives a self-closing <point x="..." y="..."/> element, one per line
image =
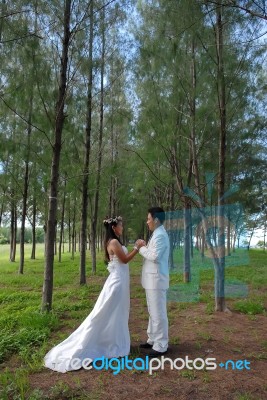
<point x="155" y="253"/>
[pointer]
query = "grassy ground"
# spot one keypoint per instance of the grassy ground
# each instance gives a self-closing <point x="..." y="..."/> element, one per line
<point x="27" y="334"/>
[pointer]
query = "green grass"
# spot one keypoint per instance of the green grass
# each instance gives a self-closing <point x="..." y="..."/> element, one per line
<point x="23" y="327"/>
<point x="27" y="334"/>
<point x="249" y="307"/>
<point x="243" y="268"/>
<point x="245" y="284"/>
<point x="245" y="396"/>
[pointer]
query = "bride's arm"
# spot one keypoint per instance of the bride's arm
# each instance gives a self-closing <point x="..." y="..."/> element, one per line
<point x="116" y="247"/>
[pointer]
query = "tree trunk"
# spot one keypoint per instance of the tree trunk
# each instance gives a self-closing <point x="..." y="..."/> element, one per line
<point x="69" y="228"/>
<point x="55" y="242"/>
<point x="191" y="170"/>
<point x="202" y="244"/>
<point x="13" y="231"/>
<point x="233" y="242"/>
<point x="25" y="190"/>
<point x="187" y="242"/>
<point x="264" y="237"/>
<point x="100" y="140"/>
<point x="251" y="235"/>
<point x="228" y="236"/>
<point x="87" y="154"/>
<point x="34" y="228"/>
<point x="114" y="155"/>
<point x="220" y="269"/>
<point x="59" y="122"/>
<point x="171" y="233"/>
<point x="2" y="209"/>
<point x="73" y="236"/>
<point x="62" y="224"/>
<point x="191" y="234"/>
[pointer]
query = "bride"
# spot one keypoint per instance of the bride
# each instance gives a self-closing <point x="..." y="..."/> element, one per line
<point x="105" y="331"/>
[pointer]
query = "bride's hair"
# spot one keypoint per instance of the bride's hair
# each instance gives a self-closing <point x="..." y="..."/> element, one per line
<point x="110" y="234"/>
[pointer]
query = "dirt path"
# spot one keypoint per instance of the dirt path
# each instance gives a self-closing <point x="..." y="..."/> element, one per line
<point x="193" y="333"/>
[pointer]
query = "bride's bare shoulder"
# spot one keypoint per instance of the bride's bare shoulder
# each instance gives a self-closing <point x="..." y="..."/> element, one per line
<point x="113" y="242"/>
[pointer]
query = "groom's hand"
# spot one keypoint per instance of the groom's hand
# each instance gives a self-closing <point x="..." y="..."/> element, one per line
<point x="140" y="243"/>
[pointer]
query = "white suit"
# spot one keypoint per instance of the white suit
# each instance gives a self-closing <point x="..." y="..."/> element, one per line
<point x="155" y="280"/>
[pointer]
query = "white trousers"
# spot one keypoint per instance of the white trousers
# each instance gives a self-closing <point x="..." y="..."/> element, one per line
<point x="157" y="330"/>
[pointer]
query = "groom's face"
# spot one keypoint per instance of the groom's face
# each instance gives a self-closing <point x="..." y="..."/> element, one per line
<point x="150" y="222"/>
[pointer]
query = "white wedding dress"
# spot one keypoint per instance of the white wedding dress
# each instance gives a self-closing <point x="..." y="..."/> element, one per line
<point x="105" y="331"/>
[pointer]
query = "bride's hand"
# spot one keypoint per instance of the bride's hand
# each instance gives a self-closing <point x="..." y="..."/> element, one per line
<point x="140" y="243"/>
<point x="137" y="243"/>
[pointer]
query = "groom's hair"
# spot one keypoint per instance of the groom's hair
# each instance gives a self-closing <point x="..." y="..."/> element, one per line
<point x="157" y="212"/>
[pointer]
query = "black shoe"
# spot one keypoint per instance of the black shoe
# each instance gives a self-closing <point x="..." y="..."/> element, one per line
<point x="155" y="353"/>
<point x="145" y="346"/>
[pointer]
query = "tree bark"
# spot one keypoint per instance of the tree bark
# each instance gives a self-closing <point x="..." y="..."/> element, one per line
<point x="69" y="226"/>
<point x="192" y="170"/>
<point x="73" y="235"/>
<point x="34" y="212"/>
<point x="220" y="269"/>
<point x="114" y="156"/>
<point x="59" y="122"/>
<point x="13" y="231"/>
<point x="2" y="209"/>
<point x="87" y="154"/>
<point x="100" y="140"/>
<point x="62" y="224"/>
<point x="171" y="233"/>
<point x="228" y="236"/>
<point x="26" y="187"/>
<point x="187" y="242"/>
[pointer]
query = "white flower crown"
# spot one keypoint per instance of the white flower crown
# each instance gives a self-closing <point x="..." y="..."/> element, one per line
<point x="112" y="220"/>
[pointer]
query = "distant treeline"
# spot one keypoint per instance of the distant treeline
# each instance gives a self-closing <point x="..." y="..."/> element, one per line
<point x="5" y="235"/>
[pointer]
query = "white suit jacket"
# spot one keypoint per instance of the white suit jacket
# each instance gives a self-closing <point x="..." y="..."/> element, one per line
<point x="155" y="271"/>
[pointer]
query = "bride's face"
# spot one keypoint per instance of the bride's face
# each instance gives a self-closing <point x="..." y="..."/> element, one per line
<point x="118" y="229"/>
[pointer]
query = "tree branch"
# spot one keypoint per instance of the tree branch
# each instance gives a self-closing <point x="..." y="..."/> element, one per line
<point x="25" y="120"/>
<point x="234" y="5"/>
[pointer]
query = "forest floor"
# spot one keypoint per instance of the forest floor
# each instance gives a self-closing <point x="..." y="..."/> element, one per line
<point x="195" y="331"/>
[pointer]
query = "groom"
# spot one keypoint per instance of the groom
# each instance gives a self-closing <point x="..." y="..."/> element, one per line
<point x="155" y="280"/>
